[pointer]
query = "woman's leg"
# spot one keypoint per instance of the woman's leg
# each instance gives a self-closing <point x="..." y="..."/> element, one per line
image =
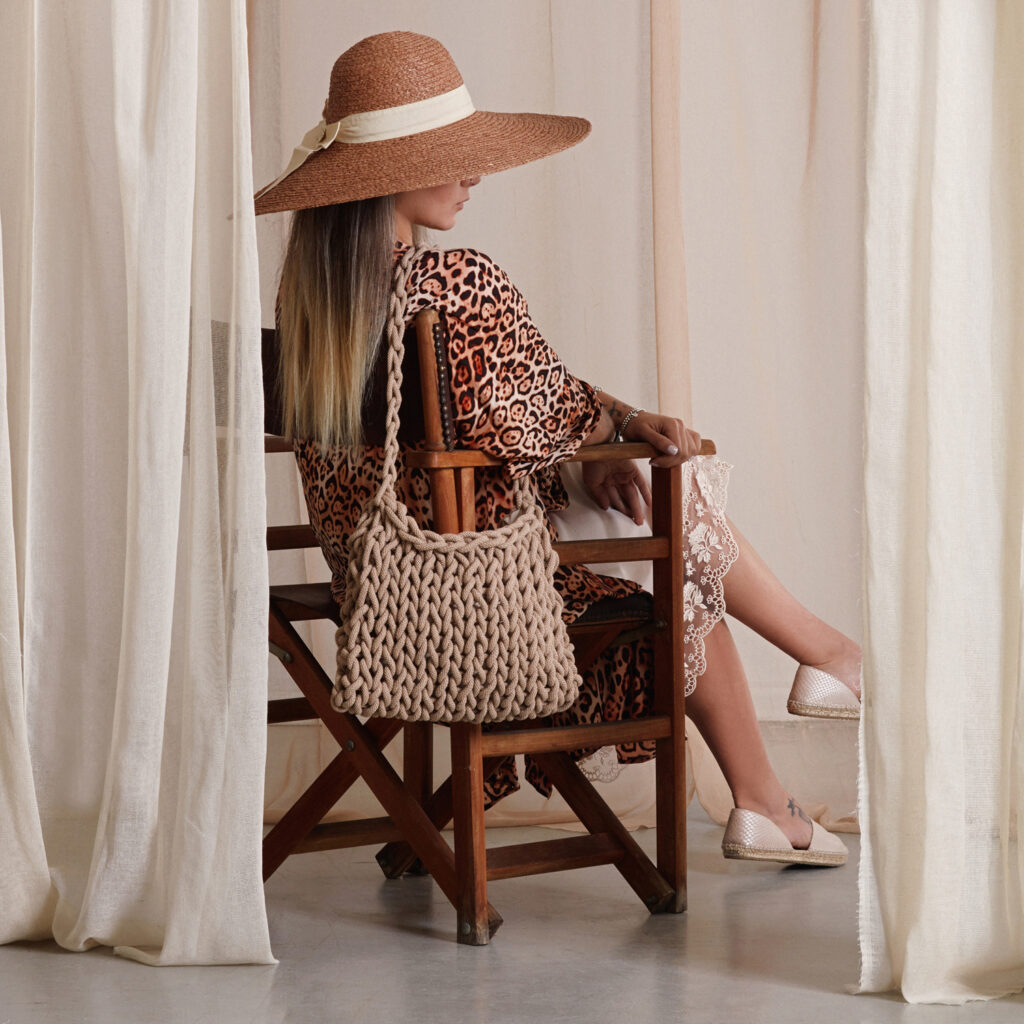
<point x="722" y="708"/>
<point x="754" y="595"/>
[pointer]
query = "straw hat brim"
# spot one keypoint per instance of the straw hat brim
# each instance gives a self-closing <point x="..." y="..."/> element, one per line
<point x="483" y="143"/>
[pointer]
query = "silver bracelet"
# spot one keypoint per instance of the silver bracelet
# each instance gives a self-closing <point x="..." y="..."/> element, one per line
<point x="632" y="414"/>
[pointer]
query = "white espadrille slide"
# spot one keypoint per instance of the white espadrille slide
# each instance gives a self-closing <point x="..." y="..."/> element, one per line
<point x="817" y="694"/>
<point x="752" y="836"/>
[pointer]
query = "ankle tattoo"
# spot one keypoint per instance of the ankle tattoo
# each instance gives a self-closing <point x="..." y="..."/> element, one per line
<point x="797" y="811"/>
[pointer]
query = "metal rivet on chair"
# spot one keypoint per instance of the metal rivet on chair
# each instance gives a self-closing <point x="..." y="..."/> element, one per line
<point x="350" y="745"/>
<point x="280" y="653"/>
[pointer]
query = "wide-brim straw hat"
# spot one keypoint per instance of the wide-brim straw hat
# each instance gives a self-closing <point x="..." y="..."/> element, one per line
<point x="398" y="117"/>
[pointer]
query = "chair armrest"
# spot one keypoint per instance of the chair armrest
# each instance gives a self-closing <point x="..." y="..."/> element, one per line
<point x="463" y="458"/>
<point x="628" y="450"/>
<point x="612" y="451"/>
<point x="276" y="443"/>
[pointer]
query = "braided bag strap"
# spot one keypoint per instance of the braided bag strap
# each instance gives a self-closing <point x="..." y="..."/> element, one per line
<point x="522" y="493"/>
<point x="448" y="628"/>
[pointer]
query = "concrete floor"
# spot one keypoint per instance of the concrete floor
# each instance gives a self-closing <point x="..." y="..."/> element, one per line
<point x="759" y="943"/>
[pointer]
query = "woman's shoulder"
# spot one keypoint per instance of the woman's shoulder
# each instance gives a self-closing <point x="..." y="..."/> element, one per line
<point x="467" y="283"/>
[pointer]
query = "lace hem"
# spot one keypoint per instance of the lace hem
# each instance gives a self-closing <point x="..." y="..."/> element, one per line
<point x="711" y="550"/>
<point x="602" y="765"/>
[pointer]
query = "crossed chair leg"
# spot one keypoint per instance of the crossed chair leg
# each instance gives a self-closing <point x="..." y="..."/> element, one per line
<point x="412" y="830"/>
<point x="362" y="755"/>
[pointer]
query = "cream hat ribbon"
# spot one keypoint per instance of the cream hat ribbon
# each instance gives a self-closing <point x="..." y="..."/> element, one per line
<point x="377" y="125"/>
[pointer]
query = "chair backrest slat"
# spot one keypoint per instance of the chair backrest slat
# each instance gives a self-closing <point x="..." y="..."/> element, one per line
<point x="447" y="491"/>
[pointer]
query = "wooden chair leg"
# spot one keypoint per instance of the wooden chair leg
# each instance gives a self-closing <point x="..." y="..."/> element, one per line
<point x="356" y="739"/>
<point x="418" y="759"/>
<point x="670" y="773"/>
<point x="470" y="849"/>
<point x="306" y="812"/>
<point x="396" y="858"/>
<point x="597" y="816"/>
<point x="323" y="793"/>
<point x="418" y="772"/>
<point x="669" y="675"/>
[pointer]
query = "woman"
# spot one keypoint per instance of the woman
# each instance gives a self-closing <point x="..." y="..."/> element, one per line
<point x="400" y="148"/>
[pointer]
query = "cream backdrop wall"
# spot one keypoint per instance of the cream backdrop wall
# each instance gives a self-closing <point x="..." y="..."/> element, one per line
<point x="771" y="124"/>
<point x="773" y="153"/>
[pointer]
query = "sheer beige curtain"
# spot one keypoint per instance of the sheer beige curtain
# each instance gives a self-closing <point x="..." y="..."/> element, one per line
<point x="132" y="559"/>
<point x="942" y="868"/>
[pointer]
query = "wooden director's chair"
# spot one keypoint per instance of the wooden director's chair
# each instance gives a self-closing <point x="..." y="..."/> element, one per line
<point x="415" y="810"/>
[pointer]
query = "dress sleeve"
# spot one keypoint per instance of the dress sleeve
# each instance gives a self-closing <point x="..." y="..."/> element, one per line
<point x="513" y="396"/>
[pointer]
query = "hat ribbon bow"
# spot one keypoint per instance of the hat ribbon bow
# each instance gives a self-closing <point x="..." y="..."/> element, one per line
<point x="376" y="125"/>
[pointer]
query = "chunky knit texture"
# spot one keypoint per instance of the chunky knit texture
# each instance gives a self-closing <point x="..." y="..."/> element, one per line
<point x="460" y="627"/>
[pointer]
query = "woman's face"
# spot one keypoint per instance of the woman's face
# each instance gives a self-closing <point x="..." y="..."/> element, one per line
<point x="436" y="207"/>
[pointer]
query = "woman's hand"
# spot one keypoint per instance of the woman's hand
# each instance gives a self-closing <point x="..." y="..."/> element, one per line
<point x="665" y="433"/>
<point x="620" y="485"/>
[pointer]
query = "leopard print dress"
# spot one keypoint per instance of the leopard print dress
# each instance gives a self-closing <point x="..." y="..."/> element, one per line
<point x="514" y="399"/>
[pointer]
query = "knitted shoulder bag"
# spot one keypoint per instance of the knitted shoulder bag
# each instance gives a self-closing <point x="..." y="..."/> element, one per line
<point x="463" y="627"/>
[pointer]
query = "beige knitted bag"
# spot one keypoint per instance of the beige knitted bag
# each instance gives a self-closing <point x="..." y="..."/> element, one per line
<point x="462" y="627"/>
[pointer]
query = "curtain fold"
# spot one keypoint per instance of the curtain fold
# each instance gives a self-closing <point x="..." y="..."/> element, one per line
<point x="671" y="329"/>
<point x="26" y="895"/>
<point x="942" y="869"/>
<point x="132" y="646"/>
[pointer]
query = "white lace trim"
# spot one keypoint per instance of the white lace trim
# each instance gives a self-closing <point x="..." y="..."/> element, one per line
<point x="602" y="765"/>
<point x="711" y="550"/>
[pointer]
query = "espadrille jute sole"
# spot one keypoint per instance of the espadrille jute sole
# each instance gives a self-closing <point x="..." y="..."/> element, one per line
<point x="820" y="711"/>
<point x="811" y="858"/>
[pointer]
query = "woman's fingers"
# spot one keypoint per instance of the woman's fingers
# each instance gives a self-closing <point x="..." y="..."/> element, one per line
<point x="695" y="442"/>
<point x="619" y="485"/>
<point x="630" y="498"/>
<point x="670" y="436"/>
<point x="645" y="489"/>
<point x="636" y="505"/>
<point x="666" y="434"/>
<point x="671" y="441"/>
<point x="617" y="502"/>
<point x="599" y="493"/>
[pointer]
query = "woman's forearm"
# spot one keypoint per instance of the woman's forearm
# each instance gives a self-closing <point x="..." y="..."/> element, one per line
<point x="620" y="420"/>
<point x="617" y="409"/>
<point x="613" y="410"/>
<point x="604" y="431"/>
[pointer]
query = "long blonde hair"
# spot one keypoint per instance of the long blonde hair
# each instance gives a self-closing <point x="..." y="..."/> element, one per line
<point x="333" y="303"/>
